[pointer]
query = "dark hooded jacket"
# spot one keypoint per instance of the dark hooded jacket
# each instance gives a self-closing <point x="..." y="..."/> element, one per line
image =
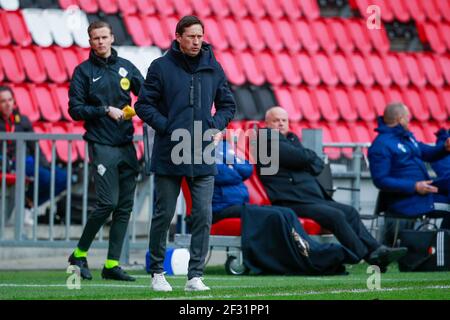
<point x="176" y="93"/>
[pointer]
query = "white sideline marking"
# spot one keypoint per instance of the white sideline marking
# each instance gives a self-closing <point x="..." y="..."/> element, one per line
<point x="302" y="293"/>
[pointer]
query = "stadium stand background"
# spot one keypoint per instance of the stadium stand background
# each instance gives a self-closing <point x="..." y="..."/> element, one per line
<point x="316" y="58"/>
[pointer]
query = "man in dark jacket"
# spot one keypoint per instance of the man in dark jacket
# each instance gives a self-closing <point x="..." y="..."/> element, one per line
<point x="397" y="165"/>
<point x="295" y="186"/>
<point x="11" y="120"/>
<point x="99" y="91"/>
<point x="176" y="100"/>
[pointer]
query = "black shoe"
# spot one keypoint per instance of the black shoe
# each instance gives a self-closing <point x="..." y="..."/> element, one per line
<point x="116" y="273"/>
<point x="82" y="264"/>
<point x="383" y="256"/>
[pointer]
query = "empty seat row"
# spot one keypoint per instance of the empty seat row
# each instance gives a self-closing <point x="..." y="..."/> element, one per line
<point x="406" y="10"/>
<point x="56" y="64"/>
<point x="202" y="8"/>
<point x="352" y="104"/>
<point x="402" y="69"/>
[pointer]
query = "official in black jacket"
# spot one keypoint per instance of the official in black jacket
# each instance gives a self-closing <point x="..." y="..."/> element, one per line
<point x="99" y="91"/>
<point x="177" y="96"/>
<point x="295" y="186"/>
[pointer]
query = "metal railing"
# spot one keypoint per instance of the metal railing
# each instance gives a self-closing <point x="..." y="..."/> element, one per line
<point x="15" y="193"/>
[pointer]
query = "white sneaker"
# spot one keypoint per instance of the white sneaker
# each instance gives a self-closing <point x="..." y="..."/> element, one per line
<point x="28" y="217"/>
<point x="159" y="283"/>
<point x="196" y="284"/>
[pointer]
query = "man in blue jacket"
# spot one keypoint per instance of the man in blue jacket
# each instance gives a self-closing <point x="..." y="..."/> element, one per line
<point x="397" y="164"/>
<point x="176" y="100"/>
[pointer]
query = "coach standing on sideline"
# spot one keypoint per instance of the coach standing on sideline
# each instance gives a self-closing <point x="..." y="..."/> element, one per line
<point x="178" y="93"/>
<point x="99" y="90"/>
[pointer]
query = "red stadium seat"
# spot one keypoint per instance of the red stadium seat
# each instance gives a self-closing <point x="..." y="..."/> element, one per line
<point x="306" y="36"/>
<point x="397" y="69"/>
<point x="432" y="70"/>
<point x="393" y="94"/>
<point x="341" y="34"/>
<point x="379" y="40"/>
<point x="340" y="99"/>
<point x="164" y="7"/>
<point x="359" y="34"/>
<point x="444" y="94"/>
<point x="184" y="7"/>
<point x="50" y="110"/>
<point x="5" y="33"/>
<point x="216" y="34"/>
<point x="412" y="98"/>
<point x="60" y="95"/>
<point x="89" y="6"/>
<point x="360" y="133"/>
<point x="70" y="58"/>
<point x="54" y="67"/>
<point x="108" y="6"/>
<point x="444" y="30"/>
<point x="127" y="7"/>
<point x="2" y="74"/>
<point x="158" y="31"/>
<point x="139" y="146"/>
<point x="361" y="68"/>
<point x="238" y="8"/>
<point x="325" y="69"/>
<point x="360" y="101"/>
<point x="377" y="99"/>
<point x="201" y="8"/>
<point x="385" y="9"/>
<point x="12" y="65"/>
<point x="220" y="8"/>
<point x="400" y="11"/>
<point x="270" y="35"/>
<point x="306" y="103"/>
<point x="270" y="68"/>
<point x="443" y="7"/>
<point x="45" y="146"/>
<point x="252" y="69"/>
<point x="415" y="71"/>
<point x="62" y="147"/>
<point x="136" y="29"/>
<point x="324" y="35"/>
<point x="310" y="9"/>
<point x="379" y="70"/>
<point x="291" y="9"/>
<point x="146" y="7"/>
<point x="285" y="100"/>
<point x="288" y="35"/>
<point x="434" y="104"/>
<point x="309" y="72"/>
<point x="19" y="30"/>
<point x="26" y="103"/>
<point x="255" y="8"/>
<point x="273" y="8"/>
<point x="297" y="127"/>
<point x="288" y="68"/>
<point x="417" y="130"/>
<point x="343" y="69"/>
<point x="64" y="4"/>
<point x="80" y="144"/>
<point x="444" y="63"/>
<point x="232" y="67"/>
<point x="235" y="37"/>
<point x="328" y="109"/>
<point x="343" y="135"/>
<point x="415" y="9"/>
<point x="328" y="137"/>
<point x="430" y="33"/>
<point x="432" y="11"/>
<point x="32" y="64"/>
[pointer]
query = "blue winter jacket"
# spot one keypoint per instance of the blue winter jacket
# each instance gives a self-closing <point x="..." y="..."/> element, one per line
<point x="397" y="163"/>
<point x="442" y="166"/>
<point x="172" y="97"/>
<point x="229" y="188"/>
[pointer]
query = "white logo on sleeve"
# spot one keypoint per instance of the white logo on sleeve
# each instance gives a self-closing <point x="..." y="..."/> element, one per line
<point x="401" y="147"/>
<point x="123" y="72"/>
<point x="101" y="169"/>
<point x="96" y="79"/>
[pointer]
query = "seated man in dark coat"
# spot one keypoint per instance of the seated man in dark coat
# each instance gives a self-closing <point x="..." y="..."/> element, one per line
<point x="295" y="186"/>
<point x="397" y="165"/>
<point x="267" y="227"/>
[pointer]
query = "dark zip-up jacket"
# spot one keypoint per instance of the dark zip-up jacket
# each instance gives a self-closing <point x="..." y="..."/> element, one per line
<point x="97" y="83"/>
<point x="442" y="166"/>
<point x="173" y="97"/>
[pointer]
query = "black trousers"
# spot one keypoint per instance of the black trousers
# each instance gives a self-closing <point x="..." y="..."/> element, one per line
<point x="342" y="220"/>
<point x="115" y="170"/>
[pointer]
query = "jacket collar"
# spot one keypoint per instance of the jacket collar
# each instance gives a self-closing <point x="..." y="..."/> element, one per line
<point x="398" y="130"/>
<point x="207" y="59"/>
<point x="442" y="135"/>
<point x="102" y="61"/>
